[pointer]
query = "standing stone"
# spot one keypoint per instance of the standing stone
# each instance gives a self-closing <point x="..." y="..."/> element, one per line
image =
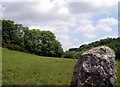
<point x="95" y="68"/>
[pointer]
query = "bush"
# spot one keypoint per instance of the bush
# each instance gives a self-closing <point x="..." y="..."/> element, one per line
<point x="16" y="47"/>
<point x="4" y="44"/>
<point x="69" y="54"/>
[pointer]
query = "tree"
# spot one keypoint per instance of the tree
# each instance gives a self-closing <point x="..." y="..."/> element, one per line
<point x="7" y="28"/>
<point x="70" y="54"/>
<point x="44" y="43"/>
<point x="113" y="43"/>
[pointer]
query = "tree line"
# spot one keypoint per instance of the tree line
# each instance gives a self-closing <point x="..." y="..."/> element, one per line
<point x="44" y="43"/>
<point x="20" y="38"/>
<point x="113" y="43"/>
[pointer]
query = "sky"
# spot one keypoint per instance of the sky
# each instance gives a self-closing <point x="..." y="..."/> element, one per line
<point x="74" y="22"/>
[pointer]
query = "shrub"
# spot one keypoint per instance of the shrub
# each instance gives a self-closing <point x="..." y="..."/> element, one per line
<point x="4" y="44"/>
<point x="69" y="54"/>
<point x="16" y="47"/>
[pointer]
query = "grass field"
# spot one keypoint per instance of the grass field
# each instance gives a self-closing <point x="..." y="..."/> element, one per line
<point x="118" y="73"/>
<point x="27" y="69"/>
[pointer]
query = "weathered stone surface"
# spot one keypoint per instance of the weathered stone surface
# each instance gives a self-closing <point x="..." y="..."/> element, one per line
<point x="95" y="68"/>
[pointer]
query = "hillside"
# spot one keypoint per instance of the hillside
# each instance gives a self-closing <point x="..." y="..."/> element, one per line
<point x="113" y="43"/>
<point x="27" y="69"/>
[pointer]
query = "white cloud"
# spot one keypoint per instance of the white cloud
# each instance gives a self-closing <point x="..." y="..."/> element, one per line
<point x="87" y="42"/>
<point x="110" y="36"/>
<point x="90" y="35"/>
<point x="43" y="7"/>
<point x="90" y="30"/>
<point x="109" y="21"/>
<point x="63" y="11"/>
<point x="105" y="3"/>
<point x="42" y="28"/>
<point x="105" y="24"/>
<point x="104" y="28"/>
<point x="59" y="16"/>
<point x="86" y="29"/>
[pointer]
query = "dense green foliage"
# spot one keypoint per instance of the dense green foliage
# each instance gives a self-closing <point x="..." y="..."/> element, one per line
<point x="17" y="37"/>
<point x="69" y="54"/>
<point x="113" y="43"/>
<point x="27" y="69"/>
<point x="0" y="33"/>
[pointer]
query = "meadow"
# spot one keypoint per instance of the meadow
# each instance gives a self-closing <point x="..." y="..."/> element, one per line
<point x="27" y="69"/>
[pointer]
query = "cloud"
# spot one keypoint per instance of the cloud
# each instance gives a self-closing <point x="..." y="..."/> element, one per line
<point x="69" y="20"/>
<point x="82" y="7"/>
<point x="109" y="21"/>
<point x="90" y="35"/>
<point x="103" y="27"/>
<point x="106" y="24"/>
<point x="110" y="36"/>
<point x="36" y="12"/>
<point x="90" y="30"/>
<point x="86" y="28"/>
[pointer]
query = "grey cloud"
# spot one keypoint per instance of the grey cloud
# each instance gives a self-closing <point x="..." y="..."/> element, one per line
<point x="16" y="11"/>
<point x="23" y="11"/>
<point x="81" y="7"/>
<point x="88" y="7"/>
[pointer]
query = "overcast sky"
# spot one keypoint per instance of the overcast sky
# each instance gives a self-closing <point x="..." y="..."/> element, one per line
<point x="74" y="22"/>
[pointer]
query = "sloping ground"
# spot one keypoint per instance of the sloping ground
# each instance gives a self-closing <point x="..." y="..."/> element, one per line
<point x="118" y="73"/>
<point x="0" y="66"/>
<point x="27" y="69"/>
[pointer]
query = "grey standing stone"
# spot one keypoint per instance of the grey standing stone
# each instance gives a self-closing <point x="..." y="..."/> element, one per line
<point x="95" y="68"/>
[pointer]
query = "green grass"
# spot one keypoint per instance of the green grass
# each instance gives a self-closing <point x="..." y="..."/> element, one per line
<point x="0" y="66"/>
<point x="118" y="73"/>
<point x="27" y="69"/>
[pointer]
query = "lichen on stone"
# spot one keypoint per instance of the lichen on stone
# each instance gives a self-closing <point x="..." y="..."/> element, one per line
<point x="95" y="68"/>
